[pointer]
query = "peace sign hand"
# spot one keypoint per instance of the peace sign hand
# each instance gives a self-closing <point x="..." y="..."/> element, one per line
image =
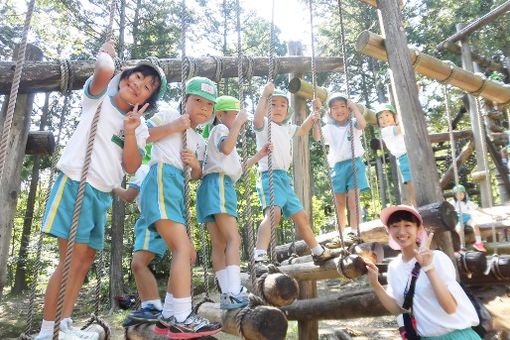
<point x="132" y="118"/>
<point x="424" y="255"/>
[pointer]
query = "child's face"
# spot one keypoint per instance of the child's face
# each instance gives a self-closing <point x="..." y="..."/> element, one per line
<point x="280" y="109"/>
<point x="227" y="117"/>
<point x="199" y="110"/>
<point x="385" y="119"/>
<point x="339" y="111"/>
<point x="137" y="88"/>
<point x="460" y="195"/>
<point x="405" y="233"/>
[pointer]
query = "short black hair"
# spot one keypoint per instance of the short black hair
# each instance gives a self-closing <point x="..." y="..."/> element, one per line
<point x="402" y="215"/>
<point x="335" y="99"/>
<point x="145" y="70"/>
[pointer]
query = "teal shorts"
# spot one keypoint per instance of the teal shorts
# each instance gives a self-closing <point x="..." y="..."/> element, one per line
<point x="459" y="334"/>
<point x="148" y="240"/>
<point x="162" y="195"/>
<point x="58" y="215"/>
<point x="466" y="218"/>
<point x="403" y="165"/>
<point x="284" y="195"/>
<point x="216" y="195"/>
<point x="343" y="176"/>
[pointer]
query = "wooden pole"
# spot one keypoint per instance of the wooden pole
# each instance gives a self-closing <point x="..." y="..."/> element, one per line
<point x="486" y="63"/>
<point x="412" y="119"/>
<point x="40" y="143"/>
<point x="464" y="155"/>
<point x="45" y="76"/>
<point x="10" y="182"/>
<point x="373" y="45"/>
<point x="302" y="185"/>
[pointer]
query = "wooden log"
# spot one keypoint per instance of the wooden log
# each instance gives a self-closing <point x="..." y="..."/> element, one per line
<point x="45" y="76"/>
<point x="349" y="305"/>
<point x="259" y="323"/>
<point x="374" y="45"/>
<point x="40" y="143"/>
<point x="486" y="63"/>
<point x="278" y="289"/>
<point x="142" y="331"/>
<point x="499" y="272"/>
<point x="464" y="155"/>
<point x="471" y="262"/>
<point x="498" y="162"/>
<point x="445" y="136"/>
<point x="439" y="216"/>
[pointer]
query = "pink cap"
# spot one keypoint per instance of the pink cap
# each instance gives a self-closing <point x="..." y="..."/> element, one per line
<point x="387" y="212"/>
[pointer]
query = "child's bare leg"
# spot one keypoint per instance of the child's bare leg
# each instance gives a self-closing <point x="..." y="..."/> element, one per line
<point x="459" y="228"/>
<point x="264" y="232"/>
<point x="411" y="193"/>
<point x="353" y="208"/>
<point x="219" y="244"/>
<point x="341" y="205"/>
<point x="303" y="229"/>
<point x="146" y="283"/>
<point x="227" y="226"/>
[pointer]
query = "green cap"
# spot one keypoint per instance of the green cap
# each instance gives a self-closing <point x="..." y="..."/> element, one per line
<point x="161" y="74"/>
<point x="147" y="157"/>
<point x="459" y="188"/>
<point x="227" y="103"/>
<point x="202" y="87"/>
<point x="385" y="107"/>
<point x="336" y="96"/>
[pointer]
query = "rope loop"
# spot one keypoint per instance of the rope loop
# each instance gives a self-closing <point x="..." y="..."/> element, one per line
<point x="218" y="70"/>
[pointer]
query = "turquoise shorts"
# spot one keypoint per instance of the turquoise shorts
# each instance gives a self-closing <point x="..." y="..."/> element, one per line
<point x="343" y="176"/>
<point x="466" y="218"/>
<point x="58" y="215"/>
<point x="284" y="195"/>
<point x="403" y="165"/>
<point x="216" y="195"/>
<point x="162" y="195"/>
<point x="148" y="240"/>
<point x="459" y="334"/>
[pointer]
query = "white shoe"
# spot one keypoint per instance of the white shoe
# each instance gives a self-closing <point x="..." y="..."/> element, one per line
<point x="61" y="336"/>
<point x="68" y="328"/>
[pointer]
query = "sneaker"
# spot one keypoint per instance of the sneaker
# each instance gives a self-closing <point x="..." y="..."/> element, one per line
<point x="334" y="243"/>
<point x="193" y="327"/>
<point x="262" y="259"/>
<point x="320" y="259"/>
<point x="68" y="328"/>
<point x="61" y="336"/>
<point x="130" y="322"/>
<point x="147" y="314"/>
<point x="479" y="246"/>
<point x="352" y="238"/>
<point x="231" y="301"/>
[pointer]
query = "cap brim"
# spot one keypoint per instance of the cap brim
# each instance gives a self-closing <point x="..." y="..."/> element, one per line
<point x="387" y="212"/>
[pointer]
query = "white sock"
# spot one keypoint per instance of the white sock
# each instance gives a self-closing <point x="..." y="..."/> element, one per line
<point x="64" y="321"/>
<point x="47" y="327"/>
<point x="260" y="252"/>
<point x="222" y="276"/>
<point x="156" y="303"/>
<point x="317" y="250"/>
<point x="234" y="279"/>
<point x="182" y="308"/>
<point x="478" y="239"/>
<point x="168" y="308"/>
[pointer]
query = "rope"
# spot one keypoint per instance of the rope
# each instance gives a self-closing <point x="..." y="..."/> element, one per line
<point x="254" y="301"/>
<point x="271" y="269"/>
<point x="270" y="154"/>
<point x="9" y="116"/>
<point x="483" y="141"/>
<point x="454" y="163"/>
<point x="244" y="143"/>
<point x="79" y="199"/>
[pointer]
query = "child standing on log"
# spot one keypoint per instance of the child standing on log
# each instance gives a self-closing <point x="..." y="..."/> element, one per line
<point x="118" y="148"/>
<point x="421" y="282"/>
<point x="217" y="199"/>
<point x="463" y="207"/>
<point x="148" y="245"/>
<point x="162" y="201"/>
<point x="337" y="134"/>
<point x="285" y="199"/>
<point x="394" y="140"/>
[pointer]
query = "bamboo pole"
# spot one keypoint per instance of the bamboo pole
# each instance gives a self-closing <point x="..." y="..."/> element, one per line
<point x="373" y="45"/>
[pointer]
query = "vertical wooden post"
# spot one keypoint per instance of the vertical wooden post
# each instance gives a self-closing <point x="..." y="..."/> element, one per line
<point x="467" y="64"/>
<point x="307" y="330"/>
<point x="10" y="182"/>
<point x="412" y="119"/>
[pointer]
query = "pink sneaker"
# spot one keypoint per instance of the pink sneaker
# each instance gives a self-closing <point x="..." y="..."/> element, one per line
<point x="479" y="246"/>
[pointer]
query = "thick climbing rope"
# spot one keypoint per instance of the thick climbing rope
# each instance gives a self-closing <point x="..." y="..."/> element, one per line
<point x="446" y="95"/>
<point x="483" y="142"/>
<point x="351" y="124"/>
<point x="13" y="94"/>
<point x="322" y="141"/>
<point x="79" y="198"/>
<point x="271" y="76"/>
<point x="244" y="143"/>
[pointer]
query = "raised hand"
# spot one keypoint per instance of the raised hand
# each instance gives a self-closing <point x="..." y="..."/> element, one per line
<point x="183" y="122"/>
<point x="108" y="48"/>
<point x="132" y="118"/>
<point x="424" y="255"/>
<point x="189" y="159"/>
<point x="241" y="117"/>
<point x="265" y="149"/>
<point x="316" y="104"/>
<point x="268" y="90"/>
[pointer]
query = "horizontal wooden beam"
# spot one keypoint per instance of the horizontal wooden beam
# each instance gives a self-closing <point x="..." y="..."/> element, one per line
<point x="45" y="76"/>
<point x="486" y="63"/>
<point x="373" y="45"/>
<point x="445" y="136"/>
